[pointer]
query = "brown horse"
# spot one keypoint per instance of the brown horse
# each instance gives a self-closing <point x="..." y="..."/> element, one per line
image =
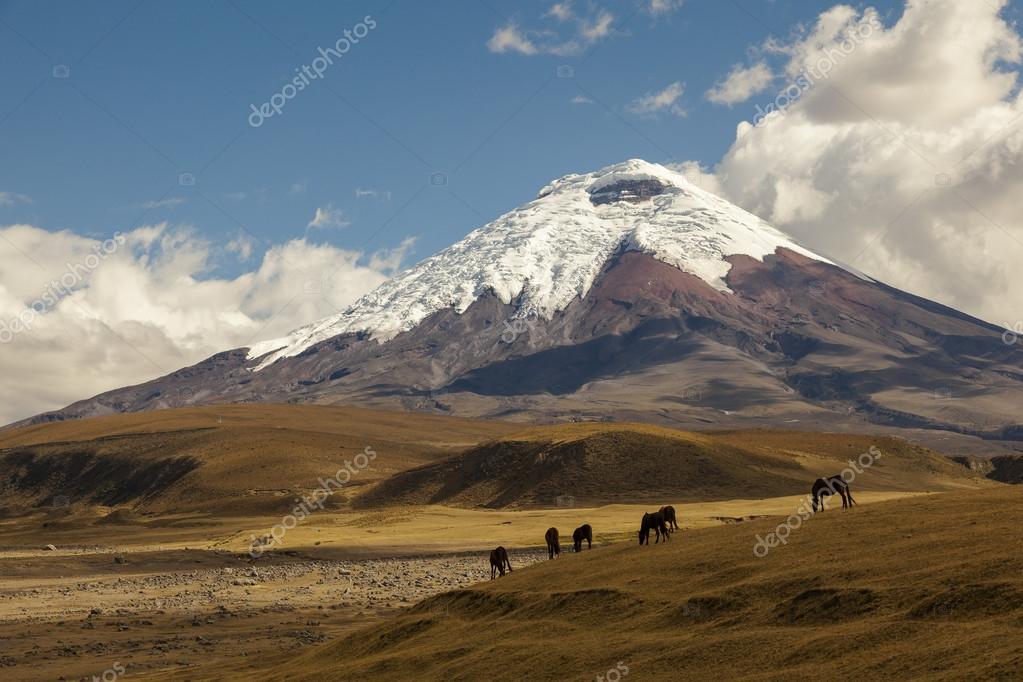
<point x="498" y="561"/>
<point x="583" y="532"/>
<point x="553" y="543"/>
<point x="669" y="517"/>
<point x="826" y="487"/>
<point x="653" y="522"/>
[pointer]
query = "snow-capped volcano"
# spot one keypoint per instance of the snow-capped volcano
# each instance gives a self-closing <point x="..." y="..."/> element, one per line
<point x="547" y="253"/>
<point x="627" y="293"/>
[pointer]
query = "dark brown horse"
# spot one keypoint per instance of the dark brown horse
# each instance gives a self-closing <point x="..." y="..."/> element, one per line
<point x="583" y="532"/>
<point x="498" y="561"/>
<point x="669" y="517"/>
<point x="654" y="522"/>
<point x="553" y="543"/>
<point x="826" y="487"/>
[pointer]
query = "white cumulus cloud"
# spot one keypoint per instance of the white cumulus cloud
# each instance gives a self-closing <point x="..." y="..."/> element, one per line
<point x="662" y="7"/>
<point x="562" y="11"/>
<point x="510" y="38"/>
<point x="661" y="100"/>
<point x="741" y="83"/>
<point x="79" y="316"/>
<point x="905" y="157"/>
<point x="327" y="217"/>
<point x="566" y="34"/>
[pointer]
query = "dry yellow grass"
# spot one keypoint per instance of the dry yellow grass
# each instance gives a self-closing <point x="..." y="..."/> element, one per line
<point x="327" y="420"/>
<point x="599" y="464"/>
<point x="254" y="460"/>
<point x="877" y="592"/>
<point x="926" y="588"/>
<point x="232" y="459"/>
<point x="435" y="528"/>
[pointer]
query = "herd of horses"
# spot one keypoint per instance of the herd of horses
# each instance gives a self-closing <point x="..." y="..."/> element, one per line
<point x="583" y="532"/>
<point x="662" y="522"/>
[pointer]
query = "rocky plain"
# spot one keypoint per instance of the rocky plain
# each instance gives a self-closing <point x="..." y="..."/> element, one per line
<point x="101" y="609"/>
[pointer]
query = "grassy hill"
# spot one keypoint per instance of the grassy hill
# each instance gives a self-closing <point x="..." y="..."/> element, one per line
<point x="927" y="588"/>
<point x="236" y="459"/>
<point x="255" y="459"/>
<point x="607" y="463"/>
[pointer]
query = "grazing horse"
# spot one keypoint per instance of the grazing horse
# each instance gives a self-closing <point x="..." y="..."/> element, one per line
<point x="653" y="522"/>
<point x="553" y="544"/>
<point x="669" y="517"/>
<point x="826" y="487"/>
<point x="583" y="532"/>
<point x="498" y="561"/>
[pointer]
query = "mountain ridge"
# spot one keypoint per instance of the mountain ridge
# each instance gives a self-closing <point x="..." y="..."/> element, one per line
<point x="764" y="335"/>
<point x="549" y="252"/>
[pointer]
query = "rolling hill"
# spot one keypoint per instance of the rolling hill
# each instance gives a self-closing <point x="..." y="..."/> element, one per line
<point x="237" y="459"/>
<point x="255" y="459"/>
<point x="896" y="590"/>
<point x="601" y="463"/>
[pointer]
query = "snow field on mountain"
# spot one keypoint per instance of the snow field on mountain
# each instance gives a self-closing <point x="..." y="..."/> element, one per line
<point x="550" y="251"/>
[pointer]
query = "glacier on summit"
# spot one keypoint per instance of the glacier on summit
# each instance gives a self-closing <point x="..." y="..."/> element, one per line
<point x="549" y="251"/>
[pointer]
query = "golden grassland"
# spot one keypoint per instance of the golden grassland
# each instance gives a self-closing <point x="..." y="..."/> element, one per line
<point x="922" y="588"/>
<point x="921" y="580"/>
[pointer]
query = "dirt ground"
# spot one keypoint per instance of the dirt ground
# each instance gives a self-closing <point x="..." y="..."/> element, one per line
<point x="185" y="599"/>
<point x="171" y="611"/>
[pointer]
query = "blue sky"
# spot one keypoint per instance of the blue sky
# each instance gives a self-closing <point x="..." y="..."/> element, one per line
<point x="160" y="89"/>
<point x="905" y="161"/>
